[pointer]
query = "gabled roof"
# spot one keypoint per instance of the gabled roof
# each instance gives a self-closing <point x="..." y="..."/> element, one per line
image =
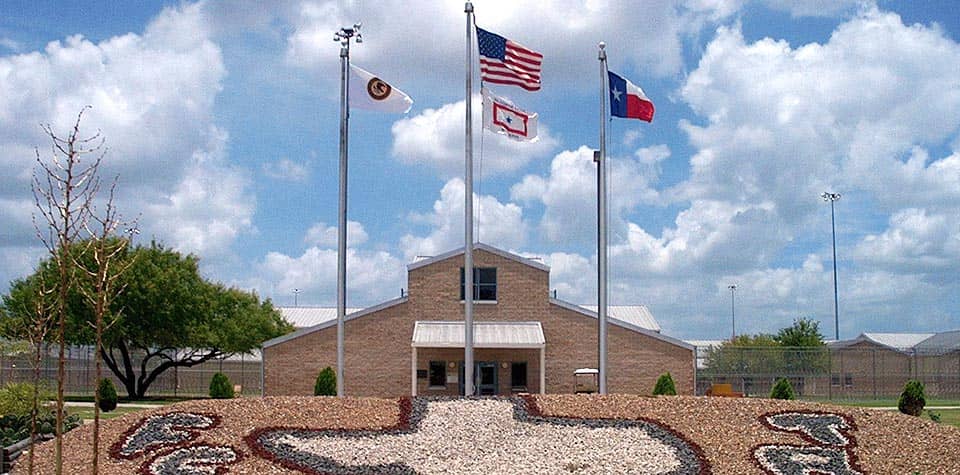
<point x="330" y="323"/>
<point x="940" y="343"/>
<point x="638" y="315"/>
<point x="479" y="247"/>
<point x="305" y="317"/>
<point x="436" y="334"/>
<point x="902" y="342"/>
<point x="623" y="324"/>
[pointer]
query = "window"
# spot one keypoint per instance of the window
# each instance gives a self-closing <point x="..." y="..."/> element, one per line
<point x="848" y="380"/>
<point x="484" y="283"/>
<point x="518" y="376"/>
<point x="835" y="380"/>
<point x="438" y="373"/>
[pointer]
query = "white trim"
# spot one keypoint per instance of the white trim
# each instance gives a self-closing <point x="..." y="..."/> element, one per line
<point x="413" y="372"/>
<point x="482" y="247"/>
<point x="420" y="325"/>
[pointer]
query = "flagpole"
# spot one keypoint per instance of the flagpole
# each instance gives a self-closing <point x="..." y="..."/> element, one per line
<point x="343" y="36"/>
<point x="602" y="226"/>
<point x="468" y="216"/>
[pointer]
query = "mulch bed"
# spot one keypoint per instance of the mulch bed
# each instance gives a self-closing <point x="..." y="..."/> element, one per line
<point x="717" y="435"/>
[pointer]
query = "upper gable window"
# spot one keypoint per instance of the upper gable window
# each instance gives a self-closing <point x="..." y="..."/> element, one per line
<point x="484" y="283"/>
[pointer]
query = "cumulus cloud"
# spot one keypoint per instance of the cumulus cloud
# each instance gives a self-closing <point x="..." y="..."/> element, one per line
<point x="498" y="224"/>
<point x="321" y="235"/>
<point x="569" y="193"/>
<point x="152" y="97"/>
<point x="435" y="138"/>
<point x="287" y="170"/>
<point x="372" y="276"/>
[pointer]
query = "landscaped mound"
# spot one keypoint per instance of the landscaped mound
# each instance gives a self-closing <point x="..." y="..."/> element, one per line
<point x="530" y="434"/>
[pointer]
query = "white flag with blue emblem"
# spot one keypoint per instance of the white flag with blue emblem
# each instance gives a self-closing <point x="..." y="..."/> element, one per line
<point x="502" y="117"/>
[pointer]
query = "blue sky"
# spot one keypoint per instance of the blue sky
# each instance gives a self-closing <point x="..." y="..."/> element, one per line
<point x="221" y="120"/>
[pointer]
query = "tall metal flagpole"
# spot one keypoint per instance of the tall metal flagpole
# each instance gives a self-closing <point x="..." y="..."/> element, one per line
<point x="602" y="225"/>
<point x="343" y="36"/>
<point x="468" y="218"/>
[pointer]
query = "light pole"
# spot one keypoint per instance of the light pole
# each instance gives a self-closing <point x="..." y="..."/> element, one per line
<point x="296" y="292"/>
<point x="733" y="316"/>
<point x="832" y="198"/>
<point x="343" y="36"/>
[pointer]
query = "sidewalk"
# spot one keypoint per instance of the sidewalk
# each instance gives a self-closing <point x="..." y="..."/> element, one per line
<point x="133" y="405"/>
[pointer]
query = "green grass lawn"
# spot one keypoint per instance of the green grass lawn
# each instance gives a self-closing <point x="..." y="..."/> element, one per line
<point x="86" y="413"/>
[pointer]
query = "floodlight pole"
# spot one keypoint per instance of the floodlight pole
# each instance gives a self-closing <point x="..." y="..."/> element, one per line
<point x="832" y="198"/>
<point x="733" y="318"/>
<point x="343" y="36"/>
<point x="602" y="227"/>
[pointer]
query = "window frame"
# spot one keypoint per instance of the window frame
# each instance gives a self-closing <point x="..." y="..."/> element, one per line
<point x="482" y="283"/>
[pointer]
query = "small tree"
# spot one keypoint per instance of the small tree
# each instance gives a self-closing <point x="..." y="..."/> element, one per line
<point x="220" y="387"/>
<point x="326" y="384"/>
<point x="106" y="395"/>
<point x="912" y="398"/>
<point x="782" y="390"/>
<point x="665" y="386"/>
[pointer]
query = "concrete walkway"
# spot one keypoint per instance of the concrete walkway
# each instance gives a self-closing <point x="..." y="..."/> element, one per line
<point x="133" y="405"/>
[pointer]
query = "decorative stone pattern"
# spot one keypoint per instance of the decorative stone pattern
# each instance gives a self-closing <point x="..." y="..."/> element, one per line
<point x="830" y="454"/>
<point x="455" y="436"/>
<point x="192" y="460"/>
<point x="821" y="428"/>
<point x="161" y="430"/>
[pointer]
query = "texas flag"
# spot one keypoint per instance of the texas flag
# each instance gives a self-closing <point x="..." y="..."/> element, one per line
<point x="628" y="100"/>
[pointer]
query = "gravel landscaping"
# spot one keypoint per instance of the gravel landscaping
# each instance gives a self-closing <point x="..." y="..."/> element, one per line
<point x="531" y="434"/>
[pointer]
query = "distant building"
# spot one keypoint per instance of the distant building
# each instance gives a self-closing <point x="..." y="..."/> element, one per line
<point x="524" y="340"/>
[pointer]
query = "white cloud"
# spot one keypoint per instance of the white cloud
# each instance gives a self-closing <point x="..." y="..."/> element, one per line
<point x="569" y="193"/>
<point x="287" y="170"/>
<point x="372" y="277"/>
<point x="435" y="138"/>
<point x="915" y="241"/>
<point x="497" y="224"/>
<point x="152" y="98"/>
<point x="321" y="235"/>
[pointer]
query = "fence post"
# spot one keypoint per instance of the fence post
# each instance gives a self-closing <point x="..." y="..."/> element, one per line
<point x="874" y="351"/>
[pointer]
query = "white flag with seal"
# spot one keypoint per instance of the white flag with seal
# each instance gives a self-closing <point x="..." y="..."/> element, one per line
<point x="502" y="117"/>
<point x="367" y="91"/>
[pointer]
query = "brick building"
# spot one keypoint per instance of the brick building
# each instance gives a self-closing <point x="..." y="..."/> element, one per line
<point x="524" y="340"/>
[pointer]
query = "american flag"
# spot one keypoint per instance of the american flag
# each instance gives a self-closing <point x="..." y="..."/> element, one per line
<point x="506" y="62"/>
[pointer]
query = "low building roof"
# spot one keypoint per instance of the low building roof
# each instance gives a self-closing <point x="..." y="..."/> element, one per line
<point x="638" y="315"/>
<point x="939" y="343"/>
<point x="425" y="261"/>
<point x="440" y="334"/>
<point x="895" y="341"/>
<point x="304" y="317"/>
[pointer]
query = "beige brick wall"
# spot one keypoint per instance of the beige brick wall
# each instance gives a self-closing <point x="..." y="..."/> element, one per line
<point x="378" y="352"/>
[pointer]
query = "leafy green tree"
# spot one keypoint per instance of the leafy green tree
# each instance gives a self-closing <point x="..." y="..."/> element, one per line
<point x="167" y="315"/>
<point x="805" y="352"/>
<point x="746" y="355"/>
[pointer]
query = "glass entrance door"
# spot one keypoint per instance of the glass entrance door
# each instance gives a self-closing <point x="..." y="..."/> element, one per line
<point x="485" y="378"/>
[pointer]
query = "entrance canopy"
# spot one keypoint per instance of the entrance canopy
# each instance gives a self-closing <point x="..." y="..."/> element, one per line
<point x="433" y="334"/>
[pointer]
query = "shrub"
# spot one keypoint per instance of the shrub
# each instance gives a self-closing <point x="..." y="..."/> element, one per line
<point x="220" y="387"/>
<point x="912" y="399"/>
<point x="108" y="395"/>
<point x="782" y="390"/>
<point x="665" y="386"/>
<point x="17" y="398"/>
<point x="326" y="384"/>
<point x="14" y="428"/>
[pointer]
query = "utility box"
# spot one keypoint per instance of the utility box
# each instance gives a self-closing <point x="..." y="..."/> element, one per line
<point x="586" y="380"/>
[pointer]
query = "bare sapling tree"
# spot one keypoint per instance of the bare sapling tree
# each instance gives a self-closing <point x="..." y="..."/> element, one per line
<point x="64" y="191"/>
<point x="104" y="270"/>
<point x="37" y="333"/>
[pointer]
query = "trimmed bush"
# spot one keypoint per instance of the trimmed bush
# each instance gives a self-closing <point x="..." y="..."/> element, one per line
<point x="326" y="384"/>
<point x="782" y="390"/>
<point x="220" y="387"/>
<point x="912" y="399"/>
<point x="108" y="395"/>
<point x="17" y="398"/>
<point x="665" y="386"/>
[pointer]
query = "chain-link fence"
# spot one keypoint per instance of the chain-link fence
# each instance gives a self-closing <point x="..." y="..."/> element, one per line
<point x="243" y="371"/>
<point x="830" y="373"/>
